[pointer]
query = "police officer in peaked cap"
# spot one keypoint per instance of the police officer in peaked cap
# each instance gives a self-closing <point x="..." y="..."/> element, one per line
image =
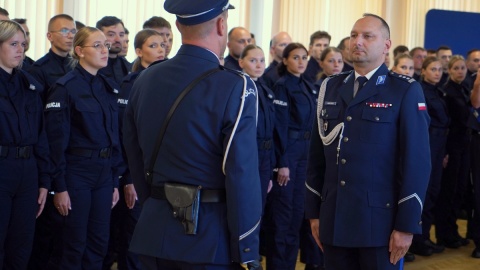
<point x="209" y="145"/>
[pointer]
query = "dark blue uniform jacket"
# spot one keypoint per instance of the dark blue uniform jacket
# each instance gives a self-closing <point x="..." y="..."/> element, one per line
<point x="376" y="182"/>
<point x="197" y="149"/>
<point x="48" y="69"/>
<point x="21" y="119"/>
<point x="295" y="107"/>
<point x="82" y="113"/>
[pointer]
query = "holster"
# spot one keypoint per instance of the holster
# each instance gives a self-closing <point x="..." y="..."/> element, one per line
<point x="185" y="202"/>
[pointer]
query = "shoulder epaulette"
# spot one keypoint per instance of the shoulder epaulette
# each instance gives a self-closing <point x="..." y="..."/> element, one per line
<point x="238" y="72"/>
<point x="341" y="73"/>
<point x="63" y="80"/>
<point x="110" y="84"/>
<point x="402" y="77"/>
<point x="33" y="84"/>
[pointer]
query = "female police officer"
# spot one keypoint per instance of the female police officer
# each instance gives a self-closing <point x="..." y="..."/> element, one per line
<point x="438" y="130"/>
<point x="295" y="101"/>
<point x="82" y="128"/>
<point x="24" y="164"/>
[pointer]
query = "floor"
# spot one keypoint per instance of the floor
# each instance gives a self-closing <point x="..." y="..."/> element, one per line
<point x="450" y="259"/>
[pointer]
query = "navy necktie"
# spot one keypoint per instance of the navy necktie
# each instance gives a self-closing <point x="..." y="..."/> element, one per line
<point x="362" y="80"/>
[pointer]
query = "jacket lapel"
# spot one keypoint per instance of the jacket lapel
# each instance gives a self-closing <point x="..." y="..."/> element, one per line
<point x="346" y="89"/>
<point x="372" y="87"/>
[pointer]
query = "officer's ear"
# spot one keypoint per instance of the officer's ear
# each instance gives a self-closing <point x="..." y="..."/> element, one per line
<point x="139" y="52"/>
<point x="49" y="36"/>
<point x="221" y="25"/>
<point x="78" y="51"/>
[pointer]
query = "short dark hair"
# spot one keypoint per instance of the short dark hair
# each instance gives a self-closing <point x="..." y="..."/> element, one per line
<point x="79" y="25"/>
<point x="412" y="51"/>
<point x="59" y="16"/>
<point x="384" y="23"/>
<point x="341" y="45"/>
<point x="431" y="51"/>
<point x="281" y="67"/>
<point x="472" y="51"/>
<point x="156" y="22"/>
<point x="126" y="31"/>
<point x="319" y="35"/>
<point x="4" y="12"/>
<point x="252" y="35"/>
<point x="399" y="50"/>
<point x="443" y="48"/>
<point x="108" y="21"/>
<point x="20" y="21"/>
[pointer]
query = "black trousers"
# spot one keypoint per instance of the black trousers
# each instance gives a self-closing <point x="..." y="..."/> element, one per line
<point x="371" y="258"/>
<point x="475" y="169"/>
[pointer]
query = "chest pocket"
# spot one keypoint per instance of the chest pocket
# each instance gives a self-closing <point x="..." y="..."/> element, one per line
<point x="331" y="117"/>
<point x="298" y="97"/>
<point x="378" y="126"/>
<point x="88" y="105"/>
<point x="330" y="113"/>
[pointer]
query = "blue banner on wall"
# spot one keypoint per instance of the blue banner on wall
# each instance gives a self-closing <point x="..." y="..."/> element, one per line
<point x="458" y="30"/>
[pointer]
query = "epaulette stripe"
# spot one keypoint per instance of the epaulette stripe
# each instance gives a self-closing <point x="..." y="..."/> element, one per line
<point x="414" y="195"/>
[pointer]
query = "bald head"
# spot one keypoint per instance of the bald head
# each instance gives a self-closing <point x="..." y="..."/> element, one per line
<point x="278" y="44"/>
<point x="238" y="39"/>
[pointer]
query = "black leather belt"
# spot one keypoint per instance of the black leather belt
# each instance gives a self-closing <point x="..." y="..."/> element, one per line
<point x="293" y="134"/>
<point x="264" y="144"/>
<point x="438" y="131"/>
<point x="21" y="152"/>
<point x="88" y="153"/>
<point x="206" y="195"/>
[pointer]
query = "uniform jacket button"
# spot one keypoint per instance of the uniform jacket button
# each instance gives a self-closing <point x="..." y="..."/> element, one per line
<point x="345" y="139"/>
<point x="342" y="183"/>
<point x="247" y="250"/>
<point x="343" y="161"/>
<point x="349" y="118"/>
<point x="377" y="118"/>
<point x="387" y="205"/>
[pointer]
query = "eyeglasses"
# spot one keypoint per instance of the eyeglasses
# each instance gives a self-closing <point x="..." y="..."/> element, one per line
<point x="64" y="31"/>
<point x="100" y="46"/>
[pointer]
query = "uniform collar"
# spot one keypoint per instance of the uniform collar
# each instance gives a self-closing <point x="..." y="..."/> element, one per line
<point x="368" y="75"/>
<point x="85" y="73"/>
<point x="294" y="78"/>
<point x="200" y="52"/>
<point x="59" y="58"/>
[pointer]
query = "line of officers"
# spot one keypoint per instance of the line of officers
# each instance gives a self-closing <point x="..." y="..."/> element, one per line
<point x="65" y="188"/>
<point x="61" y="152"/>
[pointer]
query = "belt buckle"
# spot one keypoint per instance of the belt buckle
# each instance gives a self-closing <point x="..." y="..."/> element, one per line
<point x="23" y="152"/>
